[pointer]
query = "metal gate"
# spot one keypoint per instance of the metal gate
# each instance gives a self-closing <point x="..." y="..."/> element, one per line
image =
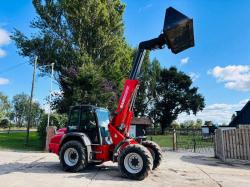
<point x="193" y="140"/>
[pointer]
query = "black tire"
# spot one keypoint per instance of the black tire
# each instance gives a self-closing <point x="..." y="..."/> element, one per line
<point x="143" y="157"/>
<point x="80" y="161"/>
<point x="155" y="151"/>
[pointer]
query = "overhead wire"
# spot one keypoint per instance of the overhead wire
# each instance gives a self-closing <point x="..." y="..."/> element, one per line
<point x="11" y="68"/>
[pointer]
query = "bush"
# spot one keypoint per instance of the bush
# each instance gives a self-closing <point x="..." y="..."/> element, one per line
<point x="57" y="120"/>
<point x="4" y="123"/>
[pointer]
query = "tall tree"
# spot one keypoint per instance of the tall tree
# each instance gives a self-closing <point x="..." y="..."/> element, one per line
<point x="142" y="95"/>
<point x="147" y="90"/>
<point x="77" y="35"/>
<point x="175" y="95"/>
<point x="155" y="71"/>
<point x="21" y="110"/>
<point x="5" y="106"/>
<point x="20" y="106"/>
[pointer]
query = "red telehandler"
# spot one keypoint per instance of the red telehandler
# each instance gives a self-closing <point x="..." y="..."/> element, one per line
<point x="91" y="137"/>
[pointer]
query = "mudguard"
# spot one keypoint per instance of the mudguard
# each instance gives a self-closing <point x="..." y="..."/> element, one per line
<point x="82" y="137"/>
<point x="120" y="146"/>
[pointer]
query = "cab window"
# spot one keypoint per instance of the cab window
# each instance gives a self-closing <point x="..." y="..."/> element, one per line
<point x="88" y="121"/>
<point x="74" y="119"/>
<point x="88" y="125"/>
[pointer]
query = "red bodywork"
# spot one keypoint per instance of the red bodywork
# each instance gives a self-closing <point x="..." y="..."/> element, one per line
<point x="124" y="113"/>
<point x="118" y="126"/>
<point x="54" y="145"/>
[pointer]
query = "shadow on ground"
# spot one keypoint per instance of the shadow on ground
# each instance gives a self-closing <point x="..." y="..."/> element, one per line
<point x="211" y="161"/>
<point x="101" y="172"/>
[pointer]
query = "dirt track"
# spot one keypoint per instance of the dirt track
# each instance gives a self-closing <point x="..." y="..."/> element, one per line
<point x="178" y="169"/>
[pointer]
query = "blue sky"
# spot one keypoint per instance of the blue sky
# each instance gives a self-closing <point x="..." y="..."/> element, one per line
<point x="219" y="63"/>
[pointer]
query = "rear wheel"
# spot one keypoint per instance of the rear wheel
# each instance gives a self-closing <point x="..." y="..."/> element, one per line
<point x="155" y="151"/>
<point x="73" y="156"/>
<point x="135" y="162"/>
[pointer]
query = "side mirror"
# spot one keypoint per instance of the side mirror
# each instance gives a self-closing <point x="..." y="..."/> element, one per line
<point x="178" y="31"/>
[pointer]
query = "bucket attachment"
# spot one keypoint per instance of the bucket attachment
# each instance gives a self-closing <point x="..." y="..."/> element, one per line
<point x="178" y="31"/>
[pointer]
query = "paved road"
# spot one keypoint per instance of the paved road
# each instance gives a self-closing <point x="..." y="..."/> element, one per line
<point x="178" y="169"/>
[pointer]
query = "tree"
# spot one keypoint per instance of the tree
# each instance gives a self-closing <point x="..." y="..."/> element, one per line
<point x="4" y="123"/>
<point x="142" y="99"/>
<point x="208" y="123"/>
<point x="20" y="107"/>
<point x="21" y="110"/>
<point x="175" y="125"/>
<point x="198" y="123"/>
<point x="175" y="95"/>
<point x="155" y="71"/>
<point x="147" y="90"/>
<point x="5" y="106"/>
<point x="57" y="120"/>
<point x="77" y="36"/>
<point x="188" y="124"/>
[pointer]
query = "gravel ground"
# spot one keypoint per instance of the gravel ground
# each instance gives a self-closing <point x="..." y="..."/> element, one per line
<point x="178" y="169"/>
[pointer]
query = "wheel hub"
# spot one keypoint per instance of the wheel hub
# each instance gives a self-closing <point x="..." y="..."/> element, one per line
<point x="133" y="163"/>
<point x="71" y="156"/>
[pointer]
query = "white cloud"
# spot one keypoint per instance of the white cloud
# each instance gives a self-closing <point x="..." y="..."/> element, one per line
<point x="4" y="37"/>
<point x="184" y="61"/>
<point x="194" y="76"/>
<point x="243" y="102"/>
<point x="218" y="113"/>
<point x="4" y="81"/>
<point x="4" y="40"/>
<point x="2" y="53"/>
<point x="235" y="77"/>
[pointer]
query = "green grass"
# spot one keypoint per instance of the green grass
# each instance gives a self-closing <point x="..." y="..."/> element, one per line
<point x="162" y="140"/>
<point x="16" y="141"/>
<point x="183" y="141"/>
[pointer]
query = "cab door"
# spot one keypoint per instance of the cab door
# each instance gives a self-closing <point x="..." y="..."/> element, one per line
<point x="88" y="125"/>
<point x="74" y="119"/>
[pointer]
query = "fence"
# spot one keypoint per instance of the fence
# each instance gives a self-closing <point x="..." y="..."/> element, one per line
<point x="193" y="140"/>
<point x="232" y="143"/>
<point x="183" y="139"/>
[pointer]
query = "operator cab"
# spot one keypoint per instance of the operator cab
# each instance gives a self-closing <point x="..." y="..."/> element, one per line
<point x="91" y="120"/>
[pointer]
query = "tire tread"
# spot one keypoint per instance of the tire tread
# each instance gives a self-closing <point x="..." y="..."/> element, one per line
<point x="83" y="162"/>
<point x="158" y="152"/>
<point x="148" y="160"/>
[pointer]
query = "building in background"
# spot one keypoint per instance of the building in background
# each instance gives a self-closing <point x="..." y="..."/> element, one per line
<point x="138" y="126"/>
<point x="242" y="117"/>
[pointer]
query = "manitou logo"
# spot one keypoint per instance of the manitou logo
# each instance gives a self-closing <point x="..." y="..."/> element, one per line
<point x="124" y="97"/>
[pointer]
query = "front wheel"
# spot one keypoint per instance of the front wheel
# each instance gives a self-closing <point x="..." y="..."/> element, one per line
<point x="155" y="151"/>
<point x="73" y="156"/>
<point x="135" y="162"/>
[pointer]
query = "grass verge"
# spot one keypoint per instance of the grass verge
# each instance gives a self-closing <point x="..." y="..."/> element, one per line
<point x="16" y="141"/>
<point x="162" y="140"/>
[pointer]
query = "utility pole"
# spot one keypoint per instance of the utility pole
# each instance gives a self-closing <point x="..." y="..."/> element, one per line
<point x="31" y="98"/>
<point x="51" y="79"/>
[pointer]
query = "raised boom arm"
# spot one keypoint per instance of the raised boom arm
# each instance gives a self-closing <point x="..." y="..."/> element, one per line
<point x="178" y="36"/>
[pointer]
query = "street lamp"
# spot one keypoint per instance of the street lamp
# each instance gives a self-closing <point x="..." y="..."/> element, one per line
<point x="50" y="93"/>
